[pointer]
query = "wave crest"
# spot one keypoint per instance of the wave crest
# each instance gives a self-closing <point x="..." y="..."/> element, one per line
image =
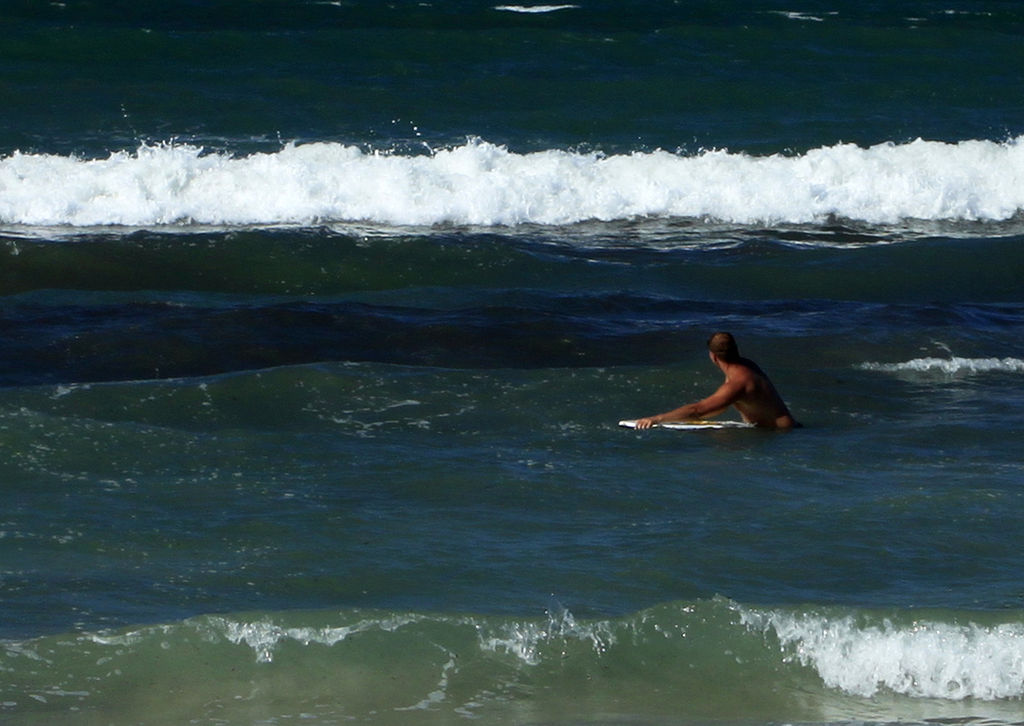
<point x="479" y="183"/>
<point x="685" y="661"/>
<point x="950" y="367"/>
<point x="922" y="659"/>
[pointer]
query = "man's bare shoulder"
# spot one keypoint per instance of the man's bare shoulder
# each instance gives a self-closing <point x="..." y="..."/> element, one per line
<point x="751" y="368"/>
<point x="743" y="371"/>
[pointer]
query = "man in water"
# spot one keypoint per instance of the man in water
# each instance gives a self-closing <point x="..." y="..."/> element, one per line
<point x="746" y="387"/>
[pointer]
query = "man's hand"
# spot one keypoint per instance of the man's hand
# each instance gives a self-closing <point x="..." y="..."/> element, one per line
<point x="645" y="423"/>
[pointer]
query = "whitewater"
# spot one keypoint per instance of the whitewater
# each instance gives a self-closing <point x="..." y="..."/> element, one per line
<point x="480" y="183"/>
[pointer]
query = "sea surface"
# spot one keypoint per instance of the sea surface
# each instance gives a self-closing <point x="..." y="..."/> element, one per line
<point x="317" y="320"/>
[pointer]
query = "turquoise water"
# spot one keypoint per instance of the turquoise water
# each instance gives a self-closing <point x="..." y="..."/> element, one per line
<point x="319" y="318"/>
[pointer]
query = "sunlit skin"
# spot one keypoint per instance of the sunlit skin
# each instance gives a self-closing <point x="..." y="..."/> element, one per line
<point x="746" y="387"/>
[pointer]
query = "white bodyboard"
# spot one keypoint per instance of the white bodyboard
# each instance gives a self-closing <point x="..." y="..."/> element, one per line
<point x="692" y="425"/>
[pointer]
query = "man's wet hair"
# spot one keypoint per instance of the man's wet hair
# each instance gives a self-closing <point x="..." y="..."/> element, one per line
<point x="723" y="345"/>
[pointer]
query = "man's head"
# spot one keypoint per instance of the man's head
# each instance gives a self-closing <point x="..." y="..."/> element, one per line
<point x="723" y="347"/>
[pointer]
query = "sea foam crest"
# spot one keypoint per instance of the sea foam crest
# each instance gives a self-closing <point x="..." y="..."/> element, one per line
<point x="534" y="8"/>
<point x="480" y="183"/>
<point x="263" y="636"/>
<point x="951" y="367"/>
<point x="531" y="641"/>
<point x="925" y="659"/>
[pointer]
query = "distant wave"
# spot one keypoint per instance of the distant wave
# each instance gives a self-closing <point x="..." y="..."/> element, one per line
<point x="952" y="366"/>
<point x="793" y="15"/>
<point x="534" y="8"/>
<point x="480" y="183"/>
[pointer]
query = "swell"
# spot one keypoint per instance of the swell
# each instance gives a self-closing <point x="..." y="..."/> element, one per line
<point x="674" y="258"/>
<point x="151" y="305"/>
<point x="472" y="15"/>
<point x="138" y="340"/>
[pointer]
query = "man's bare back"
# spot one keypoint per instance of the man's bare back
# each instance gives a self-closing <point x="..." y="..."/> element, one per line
<point x="746" y="387"/>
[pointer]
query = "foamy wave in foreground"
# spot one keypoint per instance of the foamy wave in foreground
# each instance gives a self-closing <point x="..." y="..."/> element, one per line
<point x="483" y="184"/>
<point x="677" y="660"/>
<point x="923" y="660"/>
<point x="860" y="654"/>
<point x="953" y="366"/>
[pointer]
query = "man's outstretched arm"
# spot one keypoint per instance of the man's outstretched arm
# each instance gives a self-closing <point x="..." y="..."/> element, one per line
<point x="727" y="394"/>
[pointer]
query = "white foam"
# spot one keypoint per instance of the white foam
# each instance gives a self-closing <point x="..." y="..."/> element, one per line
<point x="534" y="8"/>
<point x="952" y="366"/>
<point x="530" y="641"/>
<point x="922" y="660"/>
<point x="263" y="637"/>
<point x="480" y="183"/>
<point x="794" y="15"/>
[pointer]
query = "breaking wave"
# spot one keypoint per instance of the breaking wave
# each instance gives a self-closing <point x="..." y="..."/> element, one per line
<point x="480" y="183"/>
<point x="953" y="366"/>
<point x="677" y="659"/>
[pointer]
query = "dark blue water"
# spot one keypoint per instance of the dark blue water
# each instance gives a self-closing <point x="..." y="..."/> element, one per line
<point x="318" y="320"/>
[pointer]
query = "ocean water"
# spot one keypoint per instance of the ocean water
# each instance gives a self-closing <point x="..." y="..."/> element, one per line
<point x="318" y="318"/>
